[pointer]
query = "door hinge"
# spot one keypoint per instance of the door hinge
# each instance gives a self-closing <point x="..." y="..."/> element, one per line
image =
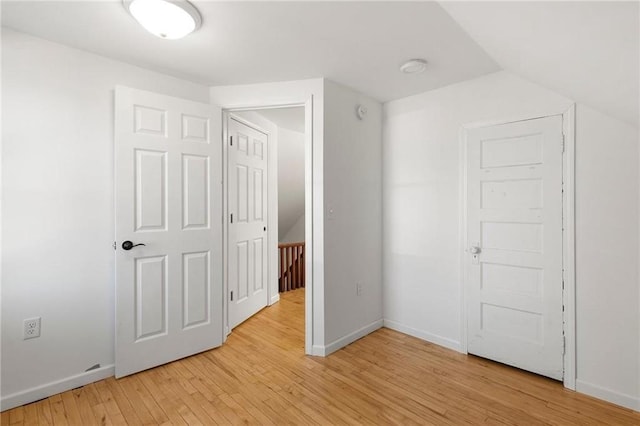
<point x="114" y="245"/>
<point x="232" y="296"/>
<point x="231" y="217"/>
<point x="231" y="140"/>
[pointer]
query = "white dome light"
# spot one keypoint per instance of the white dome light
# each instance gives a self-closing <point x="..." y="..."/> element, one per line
<point x="414" y="66"/>
<point x="169" y="19"/>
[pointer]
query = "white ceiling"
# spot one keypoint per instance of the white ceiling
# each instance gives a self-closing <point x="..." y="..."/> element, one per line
<point x="586" y="51"/>
<point x="358" y="44"/>
<point x="286" y="118"/>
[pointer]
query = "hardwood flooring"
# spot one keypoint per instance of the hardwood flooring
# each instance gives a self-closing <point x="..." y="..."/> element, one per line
<point x="261" y="376"/>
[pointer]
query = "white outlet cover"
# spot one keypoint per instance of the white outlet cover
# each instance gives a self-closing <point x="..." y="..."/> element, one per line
<point x="330" y="212"/>
<point x="31" y="328"/>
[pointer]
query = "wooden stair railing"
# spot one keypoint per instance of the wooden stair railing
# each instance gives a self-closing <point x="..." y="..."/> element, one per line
<point x="292" y="270"/>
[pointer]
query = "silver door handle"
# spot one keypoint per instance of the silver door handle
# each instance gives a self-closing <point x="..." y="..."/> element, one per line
<point x="475" y="250"/>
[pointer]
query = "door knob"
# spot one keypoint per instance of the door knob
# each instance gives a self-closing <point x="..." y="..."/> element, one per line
<point x="128" y="245"/>
<point x="475" y="250"/>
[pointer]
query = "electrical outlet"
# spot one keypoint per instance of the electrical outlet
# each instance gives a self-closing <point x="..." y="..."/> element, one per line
<point x="358" y="289"/>
<point x="331" y="212"/>
<point x="31" y="328"/>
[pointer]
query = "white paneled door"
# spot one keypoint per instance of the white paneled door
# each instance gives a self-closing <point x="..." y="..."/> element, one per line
<point x="514" y="244"/>
<point x="248" y="242"/>
<point x="168" y="166"/>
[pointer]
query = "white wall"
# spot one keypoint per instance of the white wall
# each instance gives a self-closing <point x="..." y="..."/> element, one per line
<point x="57" y="210"/>
<point x="608" y="318"/>
<point x="290" y="180"/>
<point x="296" y="233"/>
<point x="353" y="222"/>
<point x="421" y="209"/>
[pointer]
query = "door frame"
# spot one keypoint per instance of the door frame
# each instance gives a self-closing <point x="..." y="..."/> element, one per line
<point x="568" y="235"/>
<point x="272" y="212"/>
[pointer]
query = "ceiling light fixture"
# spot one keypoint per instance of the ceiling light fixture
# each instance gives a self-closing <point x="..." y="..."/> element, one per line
<point x="414" y="66"/>
<point x="170" y="19"/>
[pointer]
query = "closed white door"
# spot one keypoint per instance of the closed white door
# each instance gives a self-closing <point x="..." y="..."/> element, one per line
<point x="247" y="200"/>
<point x="514" y="244"/>
<point x="168" y="193"/>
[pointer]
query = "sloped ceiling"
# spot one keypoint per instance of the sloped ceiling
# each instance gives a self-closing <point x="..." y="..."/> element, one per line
<point x="286" y="118"/>
<point x="358" y="44"/>
<point x="584" y="50"/>
<point x="587" y="51"/>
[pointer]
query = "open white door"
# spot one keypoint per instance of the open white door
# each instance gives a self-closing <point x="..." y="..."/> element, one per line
<point x="248" y="238"/>
<point x="168" y="166"/>
<point x="514" y="244"/>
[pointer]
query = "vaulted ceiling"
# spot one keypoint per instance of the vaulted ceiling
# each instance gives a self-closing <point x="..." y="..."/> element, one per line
<point x="587" y="51"/>
<point x="358" y="44"/>
<point x="286" y="118"/>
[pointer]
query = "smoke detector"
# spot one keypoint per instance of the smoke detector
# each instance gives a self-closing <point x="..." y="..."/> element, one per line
<point x="414" y="66"/>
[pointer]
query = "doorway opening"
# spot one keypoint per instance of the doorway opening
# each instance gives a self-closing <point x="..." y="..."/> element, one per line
<point x="266" y="209"/>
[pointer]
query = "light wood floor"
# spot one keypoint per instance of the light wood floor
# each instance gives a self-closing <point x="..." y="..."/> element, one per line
<point x="261" y="376"/>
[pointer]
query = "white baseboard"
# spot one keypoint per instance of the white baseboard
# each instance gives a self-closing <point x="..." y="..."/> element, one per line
<point x="53" y="388"/>
<point x="609" y="395"/>
<point x="317" y="350"/>
<point x="423" y="335"/>
<point x="59" y="386"/>
<point x="349" y="338"/>
<point x="274" y="299"/>
<point x="596" y="391"/>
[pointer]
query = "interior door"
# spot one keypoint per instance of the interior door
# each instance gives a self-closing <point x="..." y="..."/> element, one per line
<point x="247" y="201"/>
<point x="514" y="244"/>
<point x="168" y="194"/>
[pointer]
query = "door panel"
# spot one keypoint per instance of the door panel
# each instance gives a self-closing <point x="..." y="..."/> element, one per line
<point x="242" y="188"/>
<point x="150" y="310"/>
<point x="195" y="192"/>
<point x="169" y="198"/>
<point x="258" y="195"/>
<point x="258" y="264"/>
<point x="512" y="194"/>
<point x="511" y="151"/>
<point x="195" y="129"/>
<point x="243" y="271"/>
<point x="514" y="222"/>
<point x="247" y="233"/>
<point x="150" y="190"/>
<point x="195" y="282"/>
